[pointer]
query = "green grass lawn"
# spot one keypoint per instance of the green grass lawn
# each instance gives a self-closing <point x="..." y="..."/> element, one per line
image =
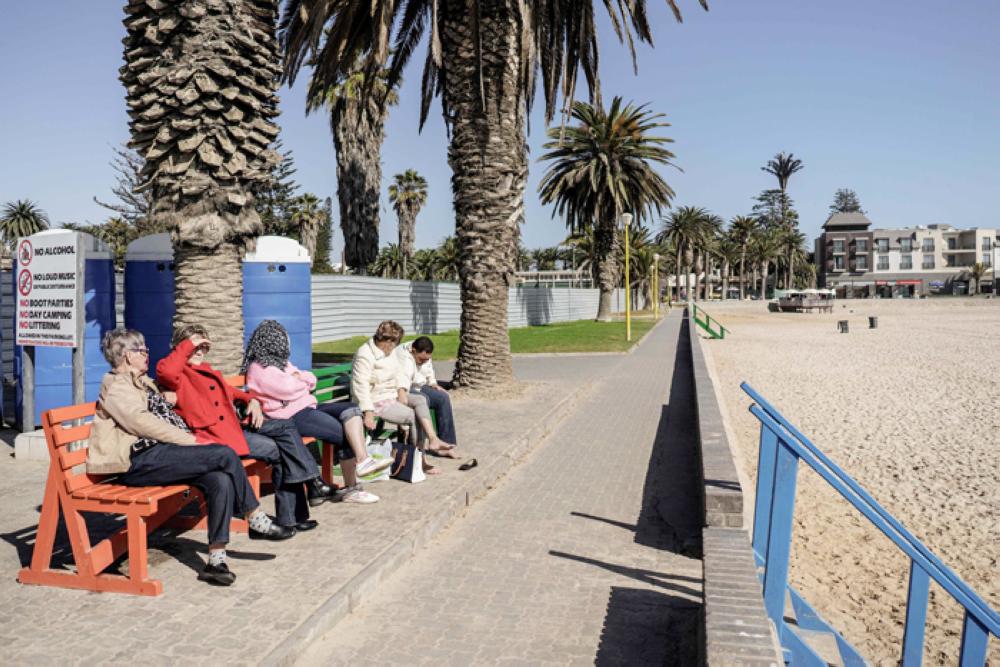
<point x="579" y="336"/>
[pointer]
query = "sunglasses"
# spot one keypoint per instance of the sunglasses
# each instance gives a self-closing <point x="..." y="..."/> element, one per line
<point x="140" y="350"/>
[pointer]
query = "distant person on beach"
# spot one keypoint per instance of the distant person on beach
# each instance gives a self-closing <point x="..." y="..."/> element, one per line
<point x="286" y="392"/>
<point x="137" y="436"/>
<point x="415" y="358"/>
<point x="380" y="390"/>
<point x="206" y="402"/>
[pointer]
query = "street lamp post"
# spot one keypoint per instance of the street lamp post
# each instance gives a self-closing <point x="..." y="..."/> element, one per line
<point x="656" y="286"/>
<point x="626" y="223"/>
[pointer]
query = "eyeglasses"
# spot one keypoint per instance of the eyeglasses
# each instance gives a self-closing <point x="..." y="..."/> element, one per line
<point x="140" y="350"/>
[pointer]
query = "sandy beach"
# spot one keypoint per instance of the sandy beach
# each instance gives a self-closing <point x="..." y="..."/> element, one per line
<point x="911" y="410"/>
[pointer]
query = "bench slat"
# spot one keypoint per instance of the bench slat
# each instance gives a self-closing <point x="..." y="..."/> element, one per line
<point x="68" y="459"/>
<point x="54" y="417"/>
<point x="64" y="436"/>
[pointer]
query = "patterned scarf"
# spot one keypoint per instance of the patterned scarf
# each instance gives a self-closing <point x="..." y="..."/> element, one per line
<point x="268" y="346"/>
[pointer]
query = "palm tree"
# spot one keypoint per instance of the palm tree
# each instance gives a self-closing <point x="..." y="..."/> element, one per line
<point x="741" y="229"/>
<point x="601" y="168"/>
<point x="482" y="59"/>
<point x="357" y="122"/>
<point x="783" y="166"/>
<point x="705" y="248"/>
<point x="729" y="253"/>
<point x="388" y="263"/>
<point x="791" y="241"/>
<point x="765" y="247"/>
<point x="307" y="216"/>
<point x="200" y="82"/>
<point x="408" y="195"/>
<point x="449" y="260"/>
<point x="20" y="218"/>
<point x="976" y="272"/>
<point x="682" y="229"/>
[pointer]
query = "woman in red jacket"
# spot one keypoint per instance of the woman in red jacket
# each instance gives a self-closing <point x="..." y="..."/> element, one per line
<point x="205" y="402"/>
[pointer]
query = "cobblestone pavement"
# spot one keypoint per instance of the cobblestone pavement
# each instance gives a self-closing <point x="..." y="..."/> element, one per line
<point x="280" y="585"/>
<point x="588" y="552"/>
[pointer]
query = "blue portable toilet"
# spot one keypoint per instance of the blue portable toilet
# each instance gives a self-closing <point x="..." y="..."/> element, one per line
<point x="149" y="293"/>
<point x="277" y="285"/>
<point x="54" y="365"/>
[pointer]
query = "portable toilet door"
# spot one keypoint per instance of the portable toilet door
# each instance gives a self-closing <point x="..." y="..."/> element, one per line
<point x="54" y="365"/>
<point x="277" y="285"/>
<point x="149" y="293"/>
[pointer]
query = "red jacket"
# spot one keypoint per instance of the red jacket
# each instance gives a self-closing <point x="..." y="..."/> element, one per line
<point x="204" y="399"/>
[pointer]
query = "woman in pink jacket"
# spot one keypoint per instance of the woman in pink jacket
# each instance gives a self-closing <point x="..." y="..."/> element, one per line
<point x="286" y="393"/>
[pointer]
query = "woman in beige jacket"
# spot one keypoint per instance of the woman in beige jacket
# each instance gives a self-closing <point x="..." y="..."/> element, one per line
<point x="138" y="436"/>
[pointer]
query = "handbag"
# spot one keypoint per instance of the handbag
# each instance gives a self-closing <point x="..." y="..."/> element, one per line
<point x="408" y="463"/>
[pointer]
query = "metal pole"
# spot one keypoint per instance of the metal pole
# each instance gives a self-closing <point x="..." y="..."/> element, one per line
<point x="27" y="388"/>
<point x="656" y="287"/>
<point x="81" y="275"/>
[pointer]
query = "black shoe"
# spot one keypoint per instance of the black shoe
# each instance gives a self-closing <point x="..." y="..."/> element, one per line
<point x="319" y="492"/>
<point x="308" y="524"/>
<point x="218" y="575"/>
<point x="275" y="532"/>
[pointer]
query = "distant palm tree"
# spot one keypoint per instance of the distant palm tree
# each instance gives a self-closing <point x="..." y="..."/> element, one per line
<point x="729" y="253"/>
<point x="683" y="228"/>
<point x="765" y="247"/>
<point x="783" y="166"/>
<point x="388" y="263"/>
<point x="307" y="216"/>
<point x="792" y="241"/>
<point x="21" y="218"/>
<point x="408" y="195"/>
<point x="601" y="168"/>
<point x="449" y="260"/>
<point x="741" y="230"/>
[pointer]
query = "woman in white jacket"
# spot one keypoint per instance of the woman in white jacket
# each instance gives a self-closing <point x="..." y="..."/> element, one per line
<point x="380" y="388"/>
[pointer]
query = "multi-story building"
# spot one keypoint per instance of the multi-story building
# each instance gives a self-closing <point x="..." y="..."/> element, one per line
<point x="859" y="261"/>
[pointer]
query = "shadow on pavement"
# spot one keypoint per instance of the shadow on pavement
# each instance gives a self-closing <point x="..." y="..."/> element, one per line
<point x="651" y="577"/>
<point x="644" y="627"/>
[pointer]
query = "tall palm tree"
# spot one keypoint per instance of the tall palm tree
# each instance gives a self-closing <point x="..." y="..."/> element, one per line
<point x="707" y="243"/>
<point x="783" y="166"/>
<point x="408" y="194"/>
<point x="388" y="263"/>
<point x="200" y="80"/>
<point x="482" y="59"/>
<point x="765" y="247"/>
<point x="682" y="228"/>
<point x="600" y="168"/>
<point x="741" y="229"/>
<point x="728" y="252"/>
<point x="357" y="122"/>
<point x="20" y="218"/>
<point x="791" y="241"/>
<point x="307" y="216"/>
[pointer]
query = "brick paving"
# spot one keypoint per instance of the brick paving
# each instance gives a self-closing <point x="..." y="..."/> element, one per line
<point x="587" y="553"/>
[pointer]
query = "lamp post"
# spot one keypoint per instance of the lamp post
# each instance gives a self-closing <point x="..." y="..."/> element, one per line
<point x="656" y="286"/>
<point x="626" y="223"/>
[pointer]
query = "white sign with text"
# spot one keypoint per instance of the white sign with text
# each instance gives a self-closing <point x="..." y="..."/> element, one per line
<point x="48" y="289"/>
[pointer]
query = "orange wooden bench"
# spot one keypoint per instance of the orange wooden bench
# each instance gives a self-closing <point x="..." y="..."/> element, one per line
<point x="70" y="490"/>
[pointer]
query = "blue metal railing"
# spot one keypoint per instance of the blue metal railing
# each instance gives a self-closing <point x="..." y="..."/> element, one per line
<point x="782" y="446"/>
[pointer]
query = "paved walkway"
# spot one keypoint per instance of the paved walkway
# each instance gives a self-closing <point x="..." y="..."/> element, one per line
<point x="586" y="552"/>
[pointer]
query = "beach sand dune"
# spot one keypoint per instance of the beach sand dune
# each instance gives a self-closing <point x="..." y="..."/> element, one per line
<point x="911" y="410"/>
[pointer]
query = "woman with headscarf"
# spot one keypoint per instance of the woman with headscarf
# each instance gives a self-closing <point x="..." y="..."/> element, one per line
<point x="286" y="393"/>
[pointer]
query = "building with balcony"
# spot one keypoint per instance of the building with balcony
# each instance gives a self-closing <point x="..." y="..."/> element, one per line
<point x="859" y="261"/>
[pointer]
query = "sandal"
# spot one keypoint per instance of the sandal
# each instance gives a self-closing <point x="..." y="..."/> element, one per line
<point x="468" y="465"/>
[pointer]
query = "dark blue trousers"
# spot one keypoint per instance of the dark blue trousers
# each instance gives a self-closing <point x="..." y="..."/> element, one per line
<point x="214" y="469"/>
<point x="277" y="443"/>
<point x="440" y="403"/>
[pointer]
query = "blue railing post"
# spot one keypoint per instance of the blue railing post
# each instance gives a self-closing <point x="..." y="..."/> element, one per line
<point x="975" y="640"/>
<point x="766" y="460"/>
<point x="916" y="616"/>
<point x="779" y="539"/>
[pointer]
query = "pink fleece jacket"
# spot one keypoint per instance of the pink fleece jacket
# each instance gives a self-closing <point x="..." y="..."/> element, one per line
<point x="282" y="392"/>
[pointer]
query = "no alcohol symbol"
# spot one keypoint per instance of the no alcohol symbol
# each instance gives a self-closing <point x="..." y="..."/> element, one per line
<point x="25" y="252"/>
<point x="24" y="282"/>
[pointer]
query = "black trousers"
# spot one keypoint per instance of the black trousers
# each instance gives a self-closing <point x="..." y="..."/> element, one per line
<point x="214" y="469"/>
<point x="277" y="443"/>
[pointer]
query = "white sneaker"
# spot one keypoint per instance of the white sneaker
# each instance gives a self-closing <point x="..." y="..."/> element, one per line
<point x="372" y="465"/>
<point x="356" y="494"/>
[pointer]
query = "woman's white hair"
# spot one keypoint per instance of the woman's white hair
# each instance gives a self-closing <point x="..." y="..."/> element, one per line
<point x="117" y="341"/>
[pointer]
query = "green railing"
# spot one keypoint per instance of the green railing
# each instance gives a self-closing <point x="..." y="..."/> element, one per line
<point x="711" y="325"/>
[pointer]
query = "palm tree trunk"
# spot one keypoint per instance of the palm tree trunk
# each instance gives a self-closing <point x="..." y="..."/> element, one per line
<point x="208" y="290"/>
<point x="488" y="159"/>
<point x="357" y="137"/>
<point x="725" y="279"/>
<point x="677" y="275"/>
<point x="743" y="272"/>
<point x="605" y="269"/>
<point x="764" y="268"/>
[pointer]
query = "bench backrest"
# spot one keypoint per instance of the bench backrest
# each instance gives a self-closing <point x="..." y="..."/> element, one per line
<point x="63" y="427"/>
<point x="332" y="382"/>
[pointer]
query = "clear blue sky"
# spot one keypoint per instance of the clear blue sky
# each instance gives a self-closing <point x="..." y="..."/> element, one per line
<point x="899" y="100"/>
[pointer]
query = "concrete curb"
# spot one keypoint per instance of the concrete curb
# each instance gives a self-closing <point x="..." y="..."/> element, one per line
<point x="353" y="593"/>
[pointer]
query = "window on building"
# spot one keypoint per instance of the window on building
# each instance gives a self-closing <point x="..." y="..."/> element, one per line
<point x="883" y="262"/>
<point x="951" y="243"/>
<point x="928" y="261"/>
<point x="928" y="245"/>
<point x="883" y="245"/>
<point x="986" y="258"/>
<point x="838" y="245"/>
<point x="906" y="245"/>
<point x="838" y="262"/>
<point x="862" y="245"/>
<point x="906" y="262"/>
<point x="986" y="243"/>
<point x="862" y="262"/>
